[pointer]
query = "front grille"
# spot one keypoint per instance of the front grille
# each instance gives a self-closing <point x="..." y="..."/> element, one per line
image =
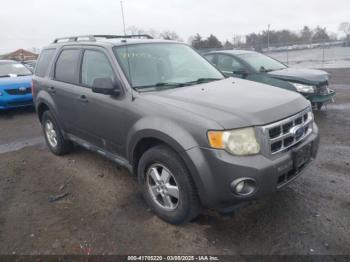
<point x="286" y="177"/>
<point x="286" y="133"/>
<point x="19" y="91"/>
<point x="21" y="103"/>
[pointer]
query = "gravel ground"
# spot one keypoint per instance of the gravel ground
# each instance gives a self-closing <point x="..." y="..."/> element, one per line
<point x="104" y="212"/>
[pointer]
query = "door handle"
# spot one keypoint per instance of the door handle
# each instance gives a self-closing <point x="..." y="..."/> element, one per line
<point x="83" y="99"/>
<point x="52" y="90"/>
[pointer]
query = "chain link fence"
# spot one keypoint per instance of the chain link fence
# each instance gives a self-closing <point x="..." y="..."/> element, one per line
<point x="330" y="54"/>
<point x="321" y="55"/>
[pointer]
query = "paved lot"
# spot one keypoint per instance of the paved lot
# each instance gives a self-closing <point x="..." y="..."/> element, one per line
<point x="104" y="212"/>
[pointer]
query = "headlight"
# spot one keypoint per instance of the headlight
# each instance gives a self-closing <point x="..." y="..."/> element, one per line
<point x="0" y="93"/>
<point x="304" y="88"/>
<point x="238" y="142"/>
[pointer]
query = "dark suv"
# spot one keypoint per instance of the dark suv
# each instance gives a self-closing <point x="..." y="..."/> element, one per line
<point x="193" y="137"/>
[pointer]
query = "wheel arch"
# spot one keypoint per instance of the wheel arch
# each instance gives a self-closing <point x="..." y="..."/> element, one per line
<point x="171" y="135"/>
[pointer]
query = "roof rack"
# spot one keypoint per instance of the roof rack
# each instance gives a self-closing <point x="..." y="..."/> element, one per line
<point x="92" y="38"/>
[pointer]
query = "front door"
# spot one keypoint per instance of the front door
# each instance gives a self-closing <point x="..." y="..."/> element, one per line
<point x="101" y="116"/>
<point x="230" y="66"/>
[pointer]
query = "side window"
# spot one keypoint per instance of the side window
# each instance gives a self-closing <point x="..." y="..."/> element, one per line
<point x="95" y="65"/>
<point x="44" y="62"/>
<point x="228" y="64"/>
<point x="210" y="58"/>
<point x="66" y="69"/>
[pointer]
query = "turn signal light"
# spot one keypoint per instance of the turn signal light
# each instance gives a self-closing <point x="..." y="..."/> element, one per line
<point x="215" y="139"/>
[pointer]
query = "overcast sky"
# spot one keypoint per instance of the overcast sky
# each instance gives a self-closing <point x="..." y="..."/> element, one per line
<point x="35" y="23"/>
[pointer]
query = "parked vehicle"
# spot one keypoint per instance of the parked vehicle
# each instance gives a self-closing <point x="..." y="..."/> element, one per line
<point x="193" y="138"/>
<point x="30" y="64"/>
<point x="311" y="83"/>
<point x="15" y="85"/>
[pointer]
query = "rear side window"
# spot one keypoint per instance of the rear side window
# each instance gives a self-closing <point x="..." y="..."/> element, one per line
<point x="44" y="62"/>
<point x="95" y="65"/>
<point x="66" y="69"/>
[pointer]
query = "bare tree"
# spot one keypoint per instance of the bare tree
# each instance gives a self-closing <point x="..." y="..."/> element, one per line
<point x="345" y="27"/>
<point x="170" y="35"/>
<point x="133" y="30"/>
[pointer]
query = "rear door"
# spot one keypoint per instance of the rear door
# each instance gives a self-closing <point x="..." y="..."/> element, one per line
<point x="64" y="88"/>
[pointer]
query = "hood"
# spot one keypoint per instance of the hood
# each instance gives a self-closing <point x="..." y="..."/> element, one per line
<point x="307" y="76"/>
<point x="15" y="82"/>
<point x="233" y="103"/>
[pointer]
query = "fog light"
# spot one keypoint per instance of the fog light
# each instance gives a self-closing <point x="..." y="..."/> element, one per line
<point x="244" y="186"/>
<point x="239" y="187"/>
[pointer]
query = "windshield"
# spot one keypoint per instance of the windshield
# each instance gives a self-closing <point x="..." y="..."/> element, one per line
<point x="12" y="68"/>
<point x="262" y="63"/>
<point x="164" y="65"/>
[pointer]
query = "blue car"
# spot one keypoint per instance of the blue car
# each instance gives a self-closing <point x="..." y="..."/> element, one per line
<point x="15" y="85"/>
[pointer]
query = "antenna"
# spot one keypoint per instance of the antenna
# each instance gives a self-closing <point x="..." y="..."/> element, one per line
<point x="121" y="6"/>
<point x="127" y="49"/>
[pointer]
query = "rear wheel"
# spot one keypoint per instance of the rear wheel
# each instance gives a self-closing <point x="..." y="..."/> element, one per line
<point x="167" y="185"/>
<point x="53" y="135"/>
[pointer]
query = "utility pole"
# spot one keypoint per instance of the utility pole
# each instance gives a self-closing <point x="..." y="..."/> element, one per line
<point x="268" y="38"/>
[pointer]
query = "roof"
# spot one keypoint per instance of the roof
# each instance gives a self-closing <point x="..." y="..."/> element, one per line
<point x="20" y="55"/>
<point x="3" y="61"/>
<point x="232" y="52"/>
<point x="113" y="42"/>
<point x="105" y="40"/>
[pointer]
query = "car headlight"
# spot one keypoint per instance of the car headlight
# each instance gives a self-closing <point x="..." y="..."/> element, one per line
<point x="238" y="142"/>
<point x="0" y="93"/>
<point x="304" y="88"/>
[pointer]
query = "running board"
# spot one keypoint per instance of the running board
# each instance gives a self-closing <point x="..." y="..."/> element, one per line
<point x="115" y="158"/>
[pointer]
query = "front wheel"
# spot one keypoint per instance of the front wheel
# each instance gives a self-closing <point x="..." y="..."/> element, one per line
<point x="319" y="106"/>
<point x="167" y="185"/>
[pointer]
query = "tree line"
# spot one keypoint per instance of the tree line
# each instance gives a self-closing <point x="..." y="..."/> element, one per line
<point x="256" y="41"/>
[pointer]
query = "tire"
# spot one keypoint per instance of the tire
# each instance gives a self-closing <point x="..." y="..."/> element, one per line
<point x="59" y="145"/>
<point x="319" y="106"/>
<point x="162" y="160"/>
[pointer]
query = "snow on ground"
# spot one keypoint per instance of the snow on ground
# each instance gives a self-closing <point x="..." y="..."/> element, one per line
<point x="333" y="57"/>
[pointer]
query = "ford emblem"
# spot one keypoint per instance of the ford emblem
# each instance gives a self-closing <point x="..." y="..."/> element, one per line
<point x="297" y="131"/>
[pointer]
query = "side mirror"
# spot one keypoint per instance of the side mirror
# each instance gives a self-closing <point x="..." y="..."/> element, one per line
<point x="106" y="86"/>
<point x="242" y="72"/>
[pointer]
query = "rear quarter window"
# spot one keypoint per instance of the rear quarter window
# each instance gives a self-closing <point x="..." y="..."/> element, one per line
<point x="44" y="62"/>
<point x="67" y="68"/>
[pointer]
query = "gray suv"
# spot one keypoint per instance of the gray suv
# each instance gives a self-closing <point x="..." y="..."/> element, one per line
<point x="191" y="136"/>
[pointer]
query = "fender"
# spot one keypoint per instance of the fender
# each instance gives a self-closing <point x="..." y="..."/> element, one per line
<point x="160" y="128"/>
<point x="170" y="133"/>
<point x="44" y="98"/>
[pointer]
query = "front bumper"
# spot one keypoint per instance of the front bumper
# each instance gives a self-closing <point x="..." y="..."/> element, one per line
<point x="324" y="98"/>
<point x="14" y="101"/>
<point x="216" y="169"/>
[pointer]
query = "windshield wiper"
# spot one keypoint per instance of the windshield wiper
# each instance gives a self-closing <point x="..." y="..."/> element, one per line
<point x="168" y="85"/>
<point x="202" y="80"/>
<point x="4" y="75"/>
<point x="263" y="70"/>
<point x="159" y="86"/>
